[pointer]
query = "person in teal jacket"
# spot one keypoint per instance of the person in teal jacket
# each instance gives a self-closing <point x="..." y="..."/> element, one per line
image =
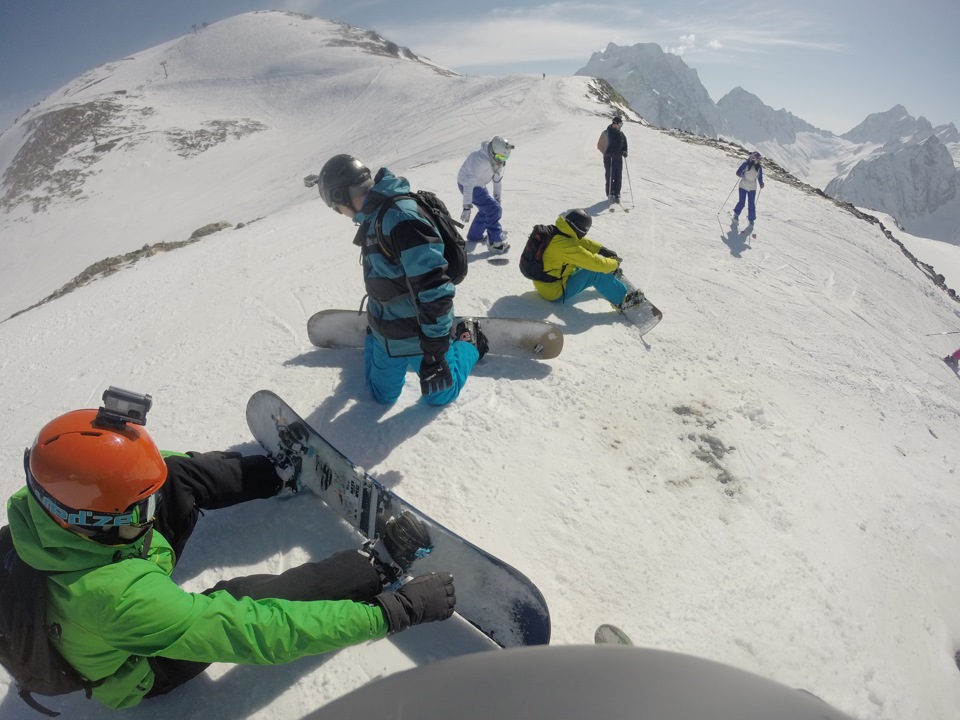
<point x="409" y="299"/>
<point x="108" y="516"/>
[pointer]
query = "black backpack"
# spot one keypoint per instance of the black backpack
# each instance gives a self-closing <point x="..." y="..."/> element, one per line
<point x="531" y="259"/>
<point x="433" y="208"/>
<point x="26" y="641"/>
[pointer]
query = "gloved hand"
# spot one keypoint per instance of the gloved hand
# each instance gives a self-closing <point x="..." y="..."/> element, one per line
<point x="624" y="153"/>
<point x="607" y="252"/>
<point x="496" y="197"/>
<point x="426" y="598"/>
<point x="465" y="215"/>
<point x="761" y="186"/>
<point x="434" y="374"/>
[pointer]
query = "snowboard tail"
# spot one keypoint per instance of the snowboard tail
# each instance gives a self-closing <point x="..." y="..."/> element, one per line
<point x="515" y="337"/>
<point x="608" y="634"/>
<point x="496" y="598"/>
<point x="644" y="315"/>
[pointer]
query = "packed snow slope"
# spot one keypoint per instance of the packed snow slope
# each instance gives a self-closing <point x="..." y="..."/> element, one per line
<point x="768" y="479"/>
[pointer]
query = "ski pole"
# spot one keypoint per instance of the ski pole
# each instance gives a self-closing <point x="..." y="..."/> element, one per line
<point x="946" y="332"/>
<point x="725" y="202"/>
<point x="629" y="184"/>
<point x="728" y="196"/>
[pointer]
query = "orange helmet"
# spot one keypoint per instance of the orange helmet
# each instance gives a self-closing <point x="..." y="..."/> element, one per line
<point x="93" y="478"/>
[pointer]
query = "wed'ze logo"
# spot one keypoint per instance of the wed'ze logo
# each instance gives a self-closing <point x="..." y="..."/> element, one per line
<point x="85" y="518"/>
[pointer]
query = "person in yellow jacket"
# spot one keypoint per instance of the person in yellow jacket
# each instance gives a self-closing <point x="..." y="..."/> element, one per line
<point x="575" y="262"/>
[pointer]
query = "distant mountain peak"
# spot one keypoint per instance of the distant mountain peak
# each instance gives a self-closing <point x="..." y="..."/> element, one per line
<point x="748" y="119"/>
<point x="658" y="85"/>
<point x="893" y="125"/>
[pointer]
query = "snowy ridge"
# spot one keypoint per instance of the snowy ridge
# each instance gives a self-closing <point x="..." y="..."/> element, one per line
<point x="767" y="480"/>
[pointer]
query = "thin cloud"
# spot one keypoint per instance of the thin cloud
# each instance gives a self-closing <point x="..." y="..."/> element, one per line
<point x="570" y="31"/>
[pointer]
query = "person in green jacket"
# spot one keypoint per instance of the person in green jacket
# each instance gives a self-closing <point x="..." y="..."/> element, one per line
<point x="578" y="263"/>
<point x="108" y="516"/>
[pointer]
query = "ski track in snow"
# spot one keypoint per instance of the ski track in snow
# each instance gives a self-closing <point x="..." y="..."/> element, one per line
<point x="767" y="479"/>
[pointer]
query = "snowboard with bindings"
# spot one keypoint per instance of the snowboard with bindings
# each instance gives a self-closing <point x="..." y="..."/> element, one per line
<point x="515" y="337"/>
<point x="642" y="313"/>
<point x="494" y="597"/>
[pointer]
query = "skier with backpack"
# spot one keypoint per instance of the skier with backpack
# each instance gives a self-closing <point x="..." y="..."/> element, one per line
<point x="482" y="167"/>
<point x="750" y="173"/>
<point x="612" y="144"/>
<point x="409" y="282"/>
<point x="102" y="521"/>
<point x="563" y="262"/>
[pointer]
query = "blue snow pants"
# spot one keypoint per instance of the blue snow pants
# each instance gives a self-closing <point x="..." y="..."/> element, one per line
<point x="487" y="218"/>
<point x="386" y="375"/>
<point x="750" y="197"/>
<point x="607" y="284"/>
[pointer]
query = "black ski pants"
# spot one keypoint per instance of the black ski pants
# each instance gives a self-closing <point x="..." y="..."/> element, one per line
<point x="613" y="173"/>
<point x="209" y="481"/>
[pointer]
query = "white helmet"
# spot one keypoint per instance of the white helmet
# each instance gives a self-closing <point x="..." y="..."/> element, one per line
<point x="499" y="149"/>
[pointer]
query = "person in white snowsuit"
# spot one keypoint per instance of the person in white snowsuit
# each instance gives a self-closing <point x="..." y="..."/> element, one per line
<point x="751" y="175"/>
<point x="482" y="167"/>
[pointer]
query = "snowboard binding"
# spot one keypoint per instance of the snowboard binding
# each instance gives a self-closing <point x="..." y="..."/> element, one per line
<point x="405" y="540"/>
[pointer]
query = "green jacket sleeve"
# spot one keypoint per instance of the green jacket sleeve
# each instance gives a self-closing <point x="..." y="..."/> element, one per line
<point x="132" y="610"/>
<point x="153" y="616"/>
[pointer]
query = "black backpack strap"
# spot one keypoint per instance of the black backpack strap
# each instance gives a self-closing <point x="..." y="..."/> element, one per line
<point x="390" y="202"/>
<point x="32" y="702"/>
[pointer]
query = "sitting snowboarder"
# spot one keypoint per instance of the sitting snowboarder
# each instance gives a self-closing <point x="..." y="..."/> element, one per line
<point x="571" y="262"/>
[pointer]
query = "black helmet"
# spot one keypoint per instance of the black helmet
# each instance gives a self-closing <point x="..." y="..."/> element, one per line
<point x="579" y="221"/>
<point x="339" y="174"/>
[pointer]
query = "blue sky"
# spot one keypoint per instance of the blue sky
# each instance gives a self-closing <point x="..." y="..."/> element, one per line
<point x="830" y="62"/>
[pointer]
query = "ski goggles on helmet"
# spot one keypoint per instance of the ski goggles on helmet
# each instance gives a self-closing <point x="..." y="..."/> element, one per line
<point x="96" y="524"/>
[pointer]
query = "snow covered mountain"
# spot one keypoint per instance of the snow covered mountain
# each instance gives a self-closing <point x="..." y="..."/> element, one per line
<point x="662" y="88"/>
<point x="666" y="92"/>
<point x="916" y="183"/>
<point x="749" y="120"/>
<point x="767" y="480"/>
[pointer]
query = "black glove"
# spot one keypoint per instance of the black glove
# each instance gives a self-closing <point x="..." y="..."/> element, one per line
<point x="607" y="252"/>
<point x="426" y="598"/>
<point x="624" y="153"/>
<point x="434" y="374"/>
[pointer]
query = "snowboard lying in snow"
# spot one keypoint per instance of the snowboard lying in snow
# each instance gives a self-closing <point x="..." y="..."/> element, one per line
<point x="494" y="597"/>
<point x="516" y="337"/>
